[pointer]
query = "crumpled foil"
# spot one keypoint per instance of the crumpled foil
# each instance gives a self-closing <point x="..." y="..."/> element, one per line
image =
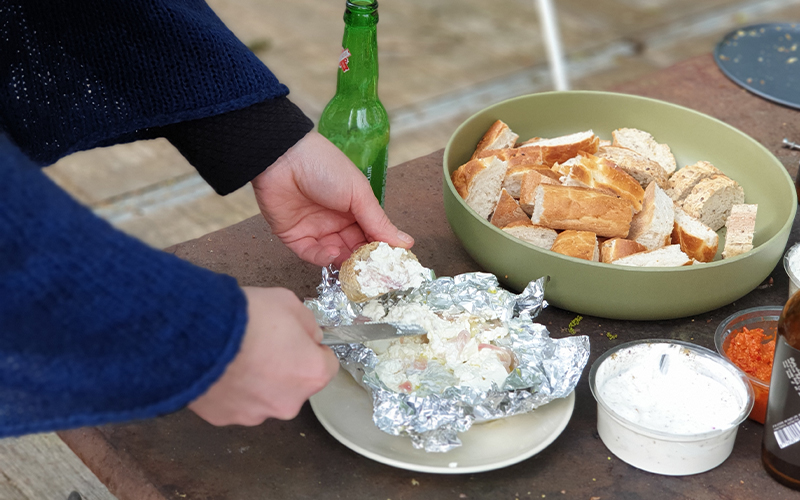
<point x="433" y="415"/>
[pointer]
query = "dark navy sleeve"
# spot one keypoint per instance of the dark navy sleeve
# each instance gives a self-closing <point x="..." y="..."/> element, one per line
<point x="95" y="326"/>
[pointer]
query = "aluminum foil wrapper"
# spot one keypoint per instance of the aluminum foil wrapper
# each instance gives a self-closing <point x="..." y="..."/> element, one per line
<point x="433" y="415"/>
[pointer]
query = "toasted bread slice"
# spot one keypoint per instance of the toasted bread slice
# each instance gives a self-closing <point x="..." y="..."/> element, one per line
<point x="507" y="211"/>
<point x="479" y="183"/>
<point x="599" y="173"/>
<point x="711" y="200"/>
<point x="638" y="166"/>
<point x="579" y="244"/>
<point x="644" y="143"/>
<point x="542" y="237"/>
<point x="498" y="136"/>
<point x="696" y="239"/>
<point x="741" y="224"/>
<point x="652" y="226"/>
<point x="377" y="268"/>
<point x="617" y="248"/>
<point x="668" y="256"/>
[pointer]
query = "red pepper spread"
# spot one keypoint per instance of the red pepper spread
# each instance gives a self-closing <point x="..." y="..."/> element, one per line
<point x="747" y="350"/>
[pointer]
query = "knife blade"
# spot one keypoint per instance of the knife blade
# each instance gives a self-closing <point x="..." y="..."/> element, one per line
<point x="365" y="332"/>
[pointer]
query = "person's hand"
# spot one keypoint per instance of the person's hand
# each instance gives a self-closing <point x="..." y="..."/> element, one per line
<point x="320" y="205"/>
<point x="280" y="363"/>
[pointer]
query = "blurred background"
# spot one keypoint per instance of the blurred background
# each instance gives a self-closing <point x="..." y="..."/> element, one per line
<point x="439" y="61"/>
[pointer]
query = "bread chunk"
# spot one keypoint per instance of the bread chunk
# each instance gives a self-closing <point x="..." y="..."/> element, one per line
<point x="617" y="248"/>
<point x="579" y="244"/>
<point x="652" y="226"/>
<point x="602" y="174"/>
<point x="644" y="144"/>
<point x="711" y="200"/>
<point x="539" y="236"/>
<point x="498" y="136"/>
<point x="684" y="180"/>
<point x="668" y="256"/>
<point x="479" y="183"/>
<point x="527" y="193"/>
<point x="514" y="175"/>
<point x="560" y="149"/>
<point x="741" y="227"/>
<point x="638" y="166"/>
<point x="507" y="211"/>
<point x="377" y="268"/>
<point x="696" y="239"/>
<point x="581" y="209"/>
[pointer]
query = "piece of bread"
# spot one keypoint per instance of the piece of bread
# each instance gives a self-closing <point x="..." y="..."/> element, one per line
<point x="507" y="211"/>
<point x="498" y="136"/>
<point x="479" y="183"/>
<point x="578" y="244"/>
<point x="527" y="192"/>
<point x="377" y="268"/>
<point x="741" y="227"/>
<point x="644" y="144"/>
<point x="542" y="237"/>
<point x="617" y="248"/>
<point x="514" y="175"/>
<point x="711" y="200"/>
<point x="562" y="169"/>
<point x="696" y="239"/>
<point x="602" y="174"/>
<point x="684" y="180"/>
<point x="560" y="149"/>
<point x="652" y="226"/>
<point x="638" y="166"/>
<point x="581" y="209"/>
<point x="668" y="256"/>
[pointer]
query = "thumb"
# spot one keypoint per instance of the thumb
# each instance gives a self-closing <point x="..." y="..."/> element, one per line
<point x="376" y="225"/>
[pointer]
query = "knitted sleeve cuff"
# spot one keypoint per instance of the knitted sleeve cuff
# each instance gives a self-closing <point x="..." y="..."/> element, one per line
<point x="230" y="149"/>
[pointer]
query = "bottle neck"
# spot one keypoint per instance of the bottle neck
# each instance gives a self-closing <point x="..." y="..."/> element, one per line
<point x="358" y="63"/>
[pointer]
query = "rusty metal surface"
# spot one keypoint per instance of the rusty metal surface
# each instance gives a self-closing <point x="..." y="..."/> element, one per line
<point x="183" y="457"/>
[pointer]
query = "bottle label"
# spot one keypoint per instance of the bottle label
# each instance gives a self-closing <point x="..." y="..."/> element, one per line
<point x="344" y="60"/>
<point x="782" y="425"/>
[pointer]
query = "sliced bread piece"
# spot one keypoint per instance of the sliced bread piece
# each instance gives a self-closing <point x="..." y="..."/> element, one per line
<point x="377" y="268"/>
<point x="581" y="209"/>
<point x="579" y="244"/>
<point x="617" y="248"/>
<point x="542" y="237"/>
<point x="479" y="183"/>
<point x="711" y="200"/>
<point x="498" y="136"/>
<point x="696" y="239"/>
<point x="668" y="256"/>
<point x="741" y="226"/>
<point x="559" y="149"/>
<point x="684" y="180"/>
<point x="507" y="211"/>
<point x="652" y="226"/>
<point x="599" y="173"/>
<point x="514" y="175"/>
<point x="527" y="192"/>
<point x="644" y="143"/>
<point x="638" y="166"/>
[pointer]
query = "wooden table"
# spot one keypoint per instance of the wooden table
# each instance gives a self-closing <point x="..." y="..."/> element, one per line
<point x="181" y="456"/>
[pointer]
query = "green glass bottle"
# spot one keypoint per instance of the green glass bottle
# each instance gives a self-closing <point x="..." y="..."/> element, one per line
<point x="355" y="120"/>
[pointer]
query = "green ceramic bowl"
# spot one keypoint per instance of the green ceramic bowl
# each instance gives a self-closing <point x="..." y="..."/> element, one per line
<point x="607" y="290"/>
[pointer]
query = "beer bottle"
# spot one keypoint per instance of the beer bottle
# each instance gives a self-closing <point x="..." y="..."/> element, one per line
<point x="354" y="119"/>
<point x="780" y="449"/>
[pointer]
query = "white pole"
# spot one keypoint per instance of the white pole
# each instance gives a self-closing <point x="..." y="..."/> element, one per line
<point x="552" y="40"/>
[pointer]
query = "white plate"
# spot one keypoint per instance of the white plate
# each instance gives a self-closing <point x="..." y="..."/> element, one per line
<point x="344" y="408"/>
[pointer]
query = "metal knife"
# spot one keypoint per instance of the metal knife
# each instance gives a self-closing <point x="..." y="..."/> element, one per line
<point x="365" y="332"/>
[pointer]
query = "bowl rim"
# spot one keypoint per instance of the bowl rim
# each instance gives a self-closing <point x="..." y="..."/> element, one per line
<point x="625" y="269"/>
<point x="665" y="436"/>
<point x="722" y="328"/>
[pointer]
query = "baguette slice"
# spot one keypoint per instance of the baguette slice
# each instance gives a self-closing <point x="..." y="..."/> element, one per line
<point x="507" y="211"/>
<point x="527" y="192"/>
<point x="561" y="149"/>
<point x="498" y="136"/>
<point x="581" y="209"/>
<point x="711" y="200"/>
<point x="479" y="183"/>
<point x="542" y="237"/>
<point x="602" y="174"/>
<point x="638" y="166"/>
<point x="741" y="226"/>
<point x="668" y="256"/>
<point x="377" y="268"/>
<point x="515" y="173"/>
<point x="696" y="239"/>
<point x="617" y="248"/>
<point x="579" y="244"/>
<point x="652" y="226"/>
<point x="644" y="144"/>
<point x="684" y="180"/>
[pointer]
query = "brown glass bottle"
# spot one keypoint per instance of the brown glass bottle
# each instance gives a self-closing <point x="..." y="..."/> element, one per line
<point x="780" y="448"/>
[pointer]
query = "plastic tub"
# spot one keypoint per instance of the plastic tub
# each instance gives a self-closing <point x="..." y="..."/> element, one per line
<point x="667" y="406"/>
<point x="765" y="318"/>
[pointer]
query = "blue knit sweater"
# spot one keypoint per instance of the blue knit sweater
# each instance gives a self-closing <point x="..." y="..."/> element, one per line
<point x="96" y="327"/>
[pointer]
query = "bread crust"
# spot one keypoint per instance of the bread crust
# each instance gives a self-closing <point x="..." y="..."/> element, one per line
<point x="499" y="136"/>
<point x="561" y="149"/>
<point x="697" y="240"/>
<point x="652" y="227"/>
<point x="645" y="144"/>
<point x="539" y="236"/>
<point x="741" y="226"/>
<point x="599" y="173"/>
<point x="684" y="180"/>
<point x="578" y="244"/>
<point x="479" y="183"/>
<point x="527" y="191"/>
<point x="581" y="209"/>
<point x="617" y="248"/>
<point x="636" y="165"/>
<point x="507" y="211"/>
<point x="348" y="275"/>
<point x="711" y="200"/>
